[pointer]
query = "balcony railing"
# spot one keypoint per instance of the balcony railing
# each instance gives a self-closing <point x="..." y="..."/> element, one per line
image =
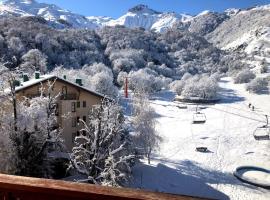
<point x="68" y="97"/>
<point x="24" y="188"/>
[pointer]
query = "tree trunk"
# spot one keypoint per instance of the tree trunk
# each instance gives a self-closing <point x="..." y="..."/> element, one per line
<point x="149" y="156"/>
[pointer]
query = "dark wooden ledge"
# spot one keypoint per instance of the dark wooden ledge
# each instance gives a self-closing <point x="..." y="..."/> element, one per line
<point x="24" y="188"/>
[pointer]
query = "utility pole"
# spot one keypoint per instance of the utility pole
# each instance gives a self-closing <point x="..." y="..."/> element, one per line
<point x="126" y="87"/>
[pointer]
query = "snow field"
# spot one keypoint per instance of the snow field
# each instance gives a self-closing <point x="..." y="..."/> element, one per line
<point x="228" y="135"/>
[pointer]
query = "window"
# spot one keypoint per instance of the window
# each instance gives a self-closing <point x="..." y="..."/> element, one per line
<point x="73" y="107"/>
<point x="83" y="132"/>
<point x="84" y="104"/>
<point x="84" y="118"/>
<point x="78" y="133"/>
<point x="78" y="120"/>
<point x="64" y="92"/>
<point x="78" y="104"/>
<point x="56" y="109"/>
<point x="74" y="122"/>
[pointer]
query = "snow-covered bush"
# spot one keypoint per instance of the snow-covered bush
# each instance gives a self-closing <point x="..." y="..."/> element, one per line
<point x="258" y="85"/>
<point x="101" y="152"/>
<point x="244" y="76"/>
<point x="201" y="87"/>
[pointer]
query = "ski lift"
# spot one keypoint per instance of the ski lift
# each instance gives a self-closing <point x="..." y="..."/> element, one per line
<point x="262" y="132"/>
<point x="202" y="149"/>
<point x="199" y="118"/>
<point x="182" y="106"/>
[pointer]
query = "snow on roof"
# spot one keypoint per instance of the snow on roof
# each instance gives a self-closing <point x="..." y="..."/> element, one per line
<point x="43" y="78"/>
<point x="31" y="82"/>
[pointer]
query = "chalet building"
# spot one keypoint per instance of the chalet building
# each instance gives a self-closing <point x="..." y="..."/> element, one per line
<point x="73" y="102"/>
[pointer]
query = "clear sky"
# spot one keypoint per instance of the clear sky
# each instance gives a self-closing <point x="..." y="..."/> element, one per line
<point x="116" y="8"/>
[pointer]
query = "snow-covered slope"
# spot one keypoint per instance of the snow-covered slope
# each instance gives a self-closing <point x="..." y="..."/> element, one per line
<point x="228" y="134"/>
<point x="50" y="12"/>
<point x="247" y="31"/>
<point x="99" y="20"/>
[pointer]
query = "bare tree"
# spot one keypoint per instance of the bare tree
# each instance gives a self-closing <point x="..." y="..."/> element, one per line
<point x="144" y="123"/>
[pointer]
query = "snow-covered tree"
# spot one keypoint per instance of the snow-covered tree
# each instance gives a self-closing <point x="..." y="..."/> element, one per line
<point x="177" y="86"/>
<point x="264" y="66"/>
<point x="101" y="151"/>
<point x="201" y="87"/>
<point x="96" y="77"/>
<point x="103" y="83"/>
<point x="145" y="80"/>
<point x="16" y="46"/>
<point x="146" y="138"/>
<point x="121" y="78"/>
<point x="36" y="135"/>
<point x="258" y="85"/>
<point x="6" y="123"/>
<point x="34" y="60"/>
<point x="186" y="76"/>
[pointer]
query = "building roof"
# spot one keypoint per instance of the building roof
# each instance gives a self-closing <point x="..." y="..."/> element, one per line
<point x="44" y="78"/>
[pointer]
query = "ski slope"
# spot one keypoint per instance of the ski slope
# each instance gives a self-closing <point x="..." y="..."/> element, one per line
<point x="228" y="134"/>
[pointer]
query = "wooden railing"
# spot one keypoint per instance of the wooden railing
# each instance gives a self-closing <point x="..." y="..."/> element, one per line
<point x="24" y="188"/>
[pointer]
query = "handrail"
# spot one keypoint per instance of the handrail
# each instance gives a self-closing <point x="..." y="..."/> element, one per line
<point x="25" y="188"/>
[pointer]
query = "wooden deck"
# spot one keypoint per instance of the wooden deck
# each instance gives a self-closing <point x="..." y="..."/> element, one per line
<point x="24" y="188"/>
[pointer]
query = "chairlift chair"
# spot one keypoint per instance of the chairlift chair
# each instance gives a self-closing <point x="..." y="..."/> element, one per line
<point x="182" y="106"/>
<point x="199" y="118"/>
<point x="202" y="149"/>
<point x="262" y="132"/>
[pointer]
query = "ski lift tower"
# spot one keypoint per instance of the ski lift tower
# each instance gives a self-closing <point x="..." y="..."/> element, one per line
<point x="126" y="87"/>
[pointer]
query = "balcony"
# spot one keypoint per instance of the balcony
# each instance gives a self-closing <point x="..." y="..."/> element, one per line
<point x="71" y="96"/>
<point x="24" y="188"/>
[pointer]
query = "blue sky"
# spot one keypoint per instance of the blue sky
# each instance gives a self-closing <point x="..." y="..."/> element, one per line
<point x="116" y="8"/>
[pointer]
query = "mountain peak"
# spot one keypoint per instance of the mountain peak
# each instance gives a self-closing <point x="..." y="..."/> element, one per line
<point x="20" y="1"/>
<point x="141" y="8"/>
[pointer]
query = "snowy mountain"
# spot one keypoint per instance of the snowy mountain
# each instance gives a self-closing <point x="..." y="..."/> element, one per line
<point x="245" y="31"/>
<point x="139" y="16"/>
<point x="142" y="16"/>
<point x="51" y="13"/>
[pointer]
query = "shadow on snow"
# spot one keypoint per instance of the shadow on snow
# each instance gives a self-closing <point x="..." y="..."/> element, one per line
<point x="187" y="178"/>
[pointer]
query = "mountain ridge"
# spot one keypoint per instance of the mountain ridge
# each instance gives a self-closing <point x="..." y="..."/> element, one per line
<point x="224" y="29"/>
<point x="138" y="16"/>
